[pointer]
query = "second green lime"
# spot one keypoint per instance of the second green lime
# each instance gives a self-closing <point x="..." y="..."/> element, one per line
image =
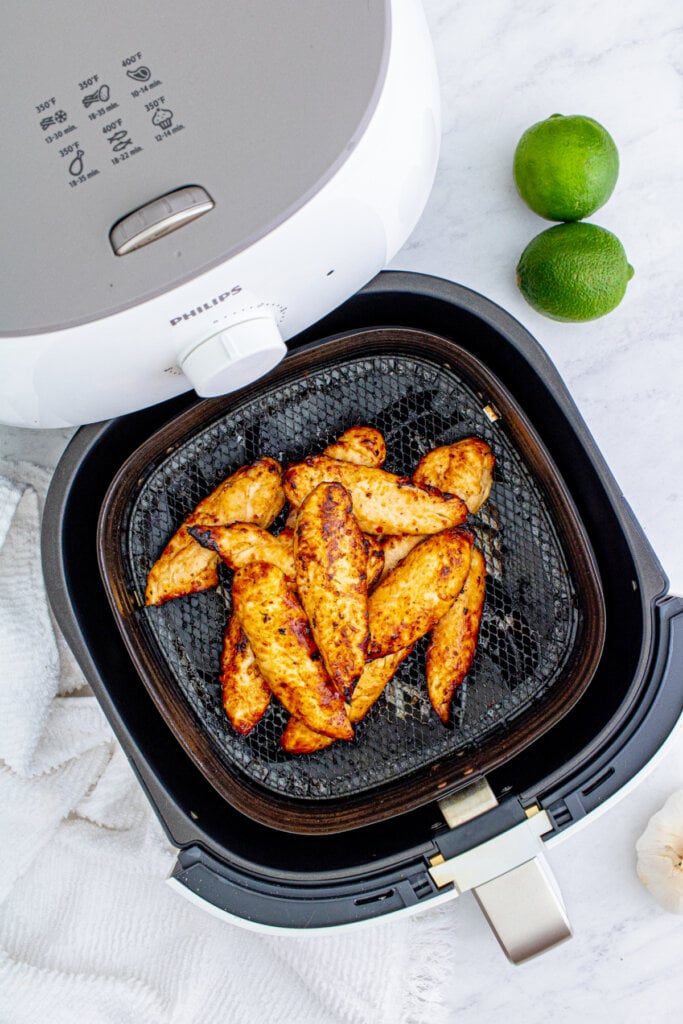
<point x="574" y="272"/>
<point x="565" y="168"/>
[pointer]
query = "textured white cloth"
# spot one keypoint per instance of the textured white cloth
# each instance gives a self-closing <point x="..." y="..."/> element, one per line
<point x="88" y="929"/>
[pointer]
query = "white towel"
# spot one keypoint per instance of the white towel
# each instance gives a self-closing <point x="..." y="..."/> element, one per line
<point x="88" y="928"/>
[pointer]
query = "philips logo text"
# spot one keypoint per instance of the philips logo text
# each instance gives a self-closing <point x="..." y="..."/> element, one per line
<point x="206" y="307"/>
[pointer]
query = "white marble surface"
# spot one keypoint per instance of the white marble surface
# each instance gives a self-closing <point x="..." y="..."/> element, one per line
<point x="503" y="66"/>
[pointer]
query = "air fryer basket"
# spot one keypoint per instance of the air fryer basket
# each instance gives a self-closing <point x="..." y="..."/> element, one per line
<point x="543" y="623"/>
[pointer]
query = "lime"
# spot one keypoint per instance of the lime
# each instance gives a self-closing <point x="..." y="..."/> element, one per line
<point x="574" y="272"/>
<point x="565" y="168"/>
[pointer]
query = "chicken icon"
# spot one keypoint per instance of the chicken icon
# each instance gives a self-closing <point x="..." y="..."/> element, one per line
<point x="162" y="118"/>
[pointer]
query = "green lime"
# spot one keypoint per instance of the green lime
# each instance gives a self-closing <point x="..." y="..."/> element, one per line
<point x="574" y="272"/>
<point x="565" y="168"/>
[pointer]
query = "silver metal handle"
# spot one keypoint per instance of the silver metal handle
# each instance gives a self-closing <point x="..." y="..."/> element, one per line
<point x="159" y="217"/>
<point x="508" y="875"/>
<point x="525" y="910"/>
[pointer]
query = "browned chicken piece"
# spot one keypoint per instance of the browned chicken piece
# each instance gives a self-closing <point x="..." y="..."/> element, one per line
<point x="242" y="543"/>
<point x="252" y="494"/>
<point x="331" y="577"/>
<point x="454" y="639"/>
<point x="299" y="739"/>
<point x="286" y="534"/>
<point x="277" y="629"/>
<point x="375" y="560"/>
<point x="395" y="548"/>
<point x="246" y="694"/>
<point x="418" y="592"/>
<point x="464" y="468"/>
<point x="382" y="502"/>
<point x="363" y="446"/>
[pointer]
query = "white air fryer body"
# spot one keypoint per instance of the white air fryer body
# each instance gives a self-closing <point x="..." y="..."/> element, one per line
<point x="190" y="195"/>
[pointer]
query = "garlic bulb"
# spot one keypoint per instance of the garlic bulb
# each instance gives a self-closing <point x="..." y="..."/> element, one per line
<point x="660" y="855"/>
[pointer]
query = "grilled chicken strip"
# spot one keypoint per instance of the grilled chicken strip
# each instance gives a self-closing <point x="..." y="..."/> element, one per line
<point x="280" y="636"/>
<point x="454" y="639"/>
<point x="395" y="548"/>
<point x="290" y="521"/>
<point x="418" y="592"/>
<point x="242" y="543"/>
<point x="252" y="494"/>
<point x="246" y="694"/>
<point x="363" y="446"/>
<point x="330" y="555"/>
<point x="375" y="555"/>
<point x="382" y="502"/>
<point x="464" y="468"/>
<point x="299" y="739"/>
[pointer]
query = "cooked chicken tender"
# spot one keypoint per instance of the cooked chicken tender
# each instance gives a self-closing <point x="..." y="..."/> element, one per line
<point x="363" y="446"/>
<point x="299" y="739"/>
<point x="242" y="543"/>
<point x="454" y="639"/>
<point x="382" y="502"/>
<point x="290" y="521"/>
<point x="464" y="468"/>
<point x="418" y="592"/>
<point x="246" y="694"/>
<point x="277" y="629"/>
<point x="252" y="494"/>
<point x="330" y="556"/>
<point x="395" y="548"/>
<point x="375" y="560"/>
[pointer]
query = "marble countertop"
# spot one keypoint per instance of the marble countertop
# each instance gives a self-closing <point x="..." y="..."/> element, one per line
<point x="504" y="65"/>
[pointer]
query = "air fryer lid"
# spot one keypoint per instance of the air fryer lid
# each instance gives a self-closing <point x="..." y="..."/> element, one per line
<point x="543" y="625"/>
<point x="224" y="97"/>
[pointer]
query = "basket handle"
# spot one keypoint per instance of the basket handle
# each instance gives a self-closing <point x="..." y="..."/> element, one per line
<point x="524" y="908"/>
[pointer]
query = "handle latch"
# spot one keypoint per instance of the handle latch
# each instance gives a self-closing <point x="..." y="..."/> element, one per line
<point x="509" y="876"/>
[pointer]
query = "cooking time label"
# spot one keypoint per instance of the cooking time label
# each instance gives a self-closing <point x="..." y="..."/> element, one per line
<point x="105" y="117"/>
<point x="163" y="118"/>
<point x="54" y="121"/>
<point x="139" y="73"/>
<point x="60" y="133"/>
<point x="96" y="97"/>
<point x="121" y="143"/>
<point x="76" y="162"/>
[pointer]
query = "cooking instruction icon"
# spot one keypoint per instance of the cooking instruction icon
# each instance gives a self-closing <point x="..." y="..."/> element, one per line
<point x="59" y="117"/>
<point x="162" y="118"/>
<point x="119" y="140"/>
<point x="101" y="96"/>
<point x="76" y="165"/>
<point x="141" y="74"/>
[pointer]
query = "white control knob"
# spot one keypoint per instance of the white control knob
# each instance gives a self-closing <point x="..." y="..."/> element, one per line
<point x="237" y="355"/>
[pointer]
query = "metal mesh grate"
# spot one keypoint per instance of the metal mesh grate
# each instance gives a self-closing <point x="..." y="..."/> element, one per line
<point x="530" y="618"/>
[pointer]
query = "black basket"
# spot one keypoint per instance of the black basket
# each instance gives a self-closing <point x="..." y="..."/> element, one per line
<point x="542" y="628"/>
